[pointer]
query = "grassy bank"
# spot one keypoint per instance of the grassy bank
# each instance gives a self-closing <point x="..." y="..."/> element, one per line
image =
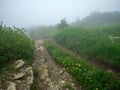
<point x="90" y="77"/>
<point x="101" y="44"/>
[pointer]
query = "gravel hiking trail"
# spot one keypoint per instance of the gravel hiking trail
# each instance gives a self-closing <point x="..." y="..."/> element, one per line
<point x="51" y="75"/>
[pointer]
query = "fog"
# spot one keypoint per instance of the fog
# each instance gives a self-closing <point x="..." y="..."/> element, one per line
<point x="25" y="13"/>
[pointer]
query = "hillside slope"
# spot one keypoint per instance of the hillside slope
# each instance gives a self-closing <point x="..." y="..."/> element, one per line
<point x="100" y="19"/>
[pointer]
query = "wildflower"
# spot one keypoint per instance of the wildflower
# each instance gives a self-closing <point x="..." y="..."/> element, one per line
<point x="96" y="88"/>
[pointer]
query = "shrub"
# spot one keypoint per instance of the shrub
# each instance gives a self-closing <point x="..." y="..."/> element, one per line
<point x="14" y="44"/>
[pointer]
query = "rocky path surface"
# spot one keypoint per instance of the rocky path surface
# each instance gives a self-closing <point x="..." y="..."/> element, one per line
<point x="19" y="79"/>
<point x="52" y="76"/>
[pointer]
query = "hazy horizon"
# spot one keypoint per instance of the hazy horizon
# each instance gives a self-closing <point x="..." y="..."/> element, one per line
<point x="25" y="13"/>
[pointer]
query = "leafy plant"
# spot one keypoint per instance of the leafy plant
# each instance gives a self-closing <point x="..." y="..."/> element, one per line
<point x="14" y="44"/>
<point x="90" y="77"/>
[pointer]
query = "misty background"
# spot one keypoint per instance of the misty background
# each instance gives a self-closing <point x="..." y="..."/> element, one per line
<point x="26" y="13"/>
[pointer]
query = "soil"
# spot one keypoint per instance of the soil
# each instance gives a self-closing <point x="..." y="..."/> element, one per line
<point x="52" y="75"/>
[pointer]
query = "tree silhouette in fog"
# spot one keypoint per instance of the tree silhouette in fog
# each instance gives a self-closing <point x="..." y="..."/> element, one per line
<point x="63" y="24"/>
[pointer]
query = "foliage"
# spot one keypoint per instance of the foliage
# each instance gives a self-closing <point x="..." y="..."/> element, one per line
<point x="14" y="44"/>
<point x="35" y="85"/>
<point x="63" y="24"/>
<point x="90" y="77"/>
<point x="101" y="44"/>
<point x="69" y="87"/>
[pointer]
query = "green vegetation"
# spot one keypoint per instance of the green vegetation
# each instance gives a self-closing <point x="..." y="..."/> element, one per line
<point x="35" y="85"/>
<point x="63" y="24"/>
<point x="14" y="44"/>
<point x="69" y="87"/>
<point x="91" y="78"/>
<point x="101" y="44"/>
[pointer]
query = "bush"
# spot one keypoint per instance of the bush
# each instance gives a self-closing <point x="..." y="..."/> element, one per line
<point x="14" y="44"/>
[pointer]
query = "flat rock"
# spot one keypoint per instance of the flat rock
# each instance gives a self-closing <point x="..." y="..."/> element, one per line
<point x="44" y="66"/>
<point x="19" y="76"/>
<point x="40" y="48"/>
<point x="19" y="64"/>
<point x="62" y="81"/>
<point x="42" y="60"/>
<point x="28" y="71"/>
<point x="11" y="86"/>
<point x="72" y="84"/>
<point x="29" y="80"/>
<point x="29" y="75"/>
<point x="61" y="71"/>
<point x="48" y="80"/>
<point x="44" y="74"/>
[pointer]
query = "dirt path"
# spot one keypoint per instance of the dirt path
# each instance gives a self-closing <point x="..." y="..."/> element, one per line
<point x="52" y="76"/>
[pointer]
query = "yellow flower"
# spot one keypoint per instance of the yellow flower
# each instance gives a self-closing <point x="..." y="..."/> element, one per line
<point x="96" y="88"/>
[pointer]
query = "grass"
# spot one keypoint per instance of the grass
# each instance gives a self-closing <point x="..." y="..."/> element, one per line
<point x="69" y="87"/>
<point x="101" y="44"/>
<point x="35" y="85"/>
<point x="90" y="77"/>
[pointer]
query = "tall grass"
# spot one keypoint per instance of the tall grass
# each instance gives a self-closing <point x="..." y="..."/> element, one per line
<point x="102" y="44"/>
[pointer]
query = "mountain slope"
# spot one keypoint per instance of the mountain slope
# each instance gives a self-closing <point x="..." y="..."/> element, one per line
<point x="100" y="19"/>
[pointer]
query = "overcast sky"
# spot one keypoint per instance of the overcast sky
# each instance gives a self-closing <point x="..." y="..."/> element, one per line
<point x="24" y="13"/>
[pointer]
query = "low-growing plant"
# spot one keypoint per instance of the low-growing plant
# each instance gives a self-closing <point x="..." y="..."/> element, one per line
<point x="69" y="87"/>
<point x="91" y="78"/>
<point x="35" y="85"/>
